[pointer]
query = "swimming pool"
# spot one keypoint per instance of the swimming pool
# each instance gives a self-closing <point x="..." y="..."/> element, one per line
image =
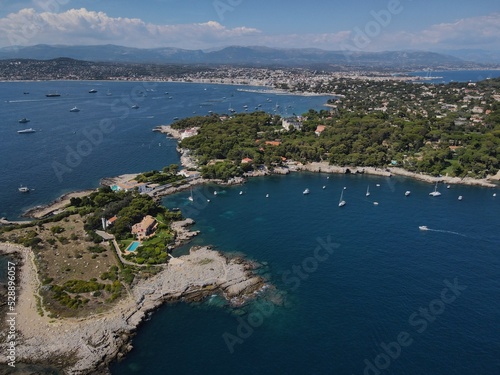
<point x="133" y="246"/>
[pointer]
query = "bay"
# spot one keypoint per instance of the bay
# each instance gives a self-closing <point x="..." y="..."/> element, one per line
<point x="74" y="150"/>
<point x="334" y="309"/>
<point x="337" y="312"/>
<point x="447" y="76"/>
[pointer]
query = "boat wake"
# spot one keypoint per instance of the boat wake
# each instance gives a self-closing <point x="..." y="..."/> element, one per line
<point x="446" y="231"/>
<point x="481" y="239"/>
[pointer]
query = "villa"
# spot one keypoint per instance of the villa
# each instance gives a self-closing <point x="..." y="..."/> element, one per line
<point x="111" y="221"/>
<point x="145" y="228"/>
<point x="189" y="174"/>
<point x="131" y="185"/>
<point x="292" y="123"/>
<point x="320" y="129"/>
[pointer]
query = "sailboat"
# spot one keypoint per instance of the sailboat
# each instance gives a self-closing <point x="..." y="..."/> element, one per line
<point x="435" y="193"/>
<point x="342" y="202"/>
<point x="368" y="191"/>
<point x="191" y="196"/>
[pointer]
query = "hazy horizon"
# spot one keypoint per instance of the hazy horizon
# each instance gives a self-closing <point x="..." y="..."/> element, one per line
<point x="371" y="26"/>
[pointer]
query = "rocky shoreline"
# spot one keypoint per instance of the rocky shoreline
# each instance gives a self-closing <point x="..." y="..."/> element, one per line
<point x="87" y="346"/>
<point x="324" y="167"/>
<point x="52" y="208"/>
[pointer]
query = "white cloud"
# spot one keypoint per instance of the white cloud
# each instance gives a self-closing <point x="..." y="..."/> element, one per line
<point x="80" y="26"/>
<point x="474" y="32"/>
<point x="84" y="27"/>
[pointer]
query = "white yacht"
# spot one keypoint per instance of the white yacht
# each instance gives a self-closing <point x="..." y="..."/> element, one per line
<point x="74" y="109"/>
<point x="407" y="192"/>
<point x="25" y="131"/>
<point x="423" y="227"/>
<point x="435" y="193"/>
<point x="24" y="189"/>
<point x="305" y="192"/>
<point x="342" y="202"/>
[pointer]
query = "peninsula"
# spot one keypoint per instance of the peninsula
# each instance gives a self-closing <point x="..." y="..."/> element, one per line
<point x="82" y="292"/>
<point x="95" y="263"/>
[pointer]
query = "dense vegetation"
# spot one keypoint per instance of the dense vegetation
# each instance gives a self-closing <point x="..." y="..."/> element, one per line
<point x="414" y="129"/>
<point x="129" y="208"/>
<point x="167" y="176"/>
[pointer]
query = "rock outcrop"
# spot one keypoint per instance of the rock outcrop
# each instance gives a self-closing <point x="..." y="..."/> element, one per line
<point x="87" y="346"/>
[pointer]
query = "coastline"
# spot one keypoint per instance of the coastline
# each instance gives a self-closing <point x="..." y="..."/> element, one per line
<point x="319" y="167"/>
<point x="87" y="346"/>
<point x="324" y="167"/>
<point x="58" y="204"/>
<point x="187" y="161"/>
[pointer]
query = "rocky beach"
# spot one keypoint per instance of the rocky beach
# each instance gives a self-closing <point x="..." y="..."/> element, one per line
<point x="324" y="167"/>
<point x="87" y="346"/>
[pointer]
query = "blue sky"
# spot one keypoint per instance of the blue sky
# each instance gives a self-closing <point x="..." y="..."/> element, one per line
<point x="371" y="25"/>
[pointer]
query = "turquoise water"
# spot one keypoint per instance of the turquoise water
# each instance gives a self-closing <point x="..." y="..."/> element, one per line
<point x="133" y="246"/>
<point x="335" y="311"/>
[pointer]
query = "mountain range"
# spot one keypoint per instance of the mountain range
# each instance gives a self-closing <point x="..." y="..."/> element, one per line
<point x="253" y="56"/>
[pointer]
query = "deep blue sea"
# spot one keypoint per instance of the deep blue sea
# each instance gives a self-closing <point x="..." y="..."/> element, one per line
<point x="74" y="150"/>
<point x="356" y="290"/>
